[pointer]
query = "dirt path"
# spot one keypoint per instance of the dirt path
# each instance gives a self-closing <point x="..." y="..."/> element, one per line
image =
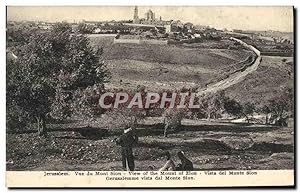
<point x="235" y="77"/>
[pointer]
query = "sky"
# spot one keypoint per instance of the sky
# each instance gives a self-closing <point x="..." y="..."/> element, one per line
<point x="246" y="18"/>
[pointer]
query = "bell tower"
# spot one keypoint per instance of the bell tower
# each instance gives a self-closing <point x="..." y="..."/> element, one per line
<point x="136" y="15"/>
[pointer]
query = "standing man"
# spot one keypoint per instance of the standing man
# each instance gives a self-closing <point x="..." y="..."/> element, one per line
<point x="127" y="140"/>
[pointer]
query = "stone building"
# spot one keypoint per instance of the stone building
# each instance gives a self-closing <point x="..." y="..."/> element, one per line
<point x="136" y="15"/>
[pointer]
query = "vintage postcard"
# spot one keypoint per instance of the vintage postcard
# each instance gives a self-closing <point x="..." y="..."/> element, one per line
<point x="150" y="96"/>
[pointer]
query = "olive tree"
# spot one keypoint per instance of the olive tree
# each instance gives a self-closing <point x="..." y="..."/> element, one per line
<point x="172" y="119"/>
<point x="238" y="110"/>
<point x="212" y="105"/>
<point x="48" y="65"/>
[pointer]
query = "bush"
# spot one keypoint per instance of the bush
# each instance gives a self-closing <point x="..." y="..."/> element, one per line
<point x="172" y="119"/>
<point x="122" y="118"/>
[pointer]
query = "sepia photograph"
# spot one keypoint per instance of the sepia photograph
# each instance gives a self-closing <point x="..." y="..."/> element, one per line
<point x="108" y="90"/>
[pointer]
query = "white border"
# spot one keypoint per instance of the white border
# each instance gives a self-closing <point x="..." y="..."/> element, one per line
<point x="150" y="2"/>
<point x="112" y="2"/>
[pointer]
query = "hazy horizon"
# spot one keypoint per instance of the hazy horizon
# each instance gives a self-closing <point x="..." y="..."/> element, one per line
<point x="259" y="18"/>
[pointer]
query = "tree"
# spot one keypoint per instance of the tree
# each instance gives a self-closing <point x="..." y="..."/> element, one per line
<point x="30" y="80"/>
<point x="50" y="64"/>
<point x="19" y="34"/>
<point x="282" y="106"/>
<point x="172" y="119"/>
<point x="85" y="28"/>
<point x="236" y="109"/>
<point x="266" y="110"/>
<point x="248" y="110"/>
<point x="278" y="109"/>
<point x="212" y="105"/>
<point x="233" y="107"/>
<point x="85" y="103"/>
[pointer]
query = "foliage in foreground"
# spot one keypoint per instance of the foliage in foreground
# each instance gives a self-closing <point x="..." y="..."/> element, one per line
<point x="49" y="68"/>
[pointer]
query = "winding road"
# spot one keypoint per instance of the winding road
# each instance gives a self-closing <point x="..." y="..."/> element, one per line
<point x="235" y="77"/>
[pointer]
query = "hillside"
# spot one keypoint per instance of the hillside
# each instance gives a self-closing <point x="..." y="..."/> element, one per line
<point x="169" y="67"/>
<point x="266" y="82"/>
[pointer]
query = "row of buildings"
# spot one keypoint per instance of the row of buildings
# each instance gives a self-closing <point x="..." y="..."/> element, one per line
<point x="169" y="25"/>
<point x="135" y="26"/>
<point x="151" y="26"/>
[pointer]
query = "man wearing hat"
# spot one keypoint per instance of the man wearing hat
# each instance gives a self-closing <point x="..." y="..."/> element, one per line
<point x="127" y="140"/>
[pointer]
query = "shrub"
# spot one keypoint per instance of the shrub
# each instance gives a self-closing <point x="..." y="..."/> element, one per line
<point x="172" y="119"/>
<point x="122" y="118"/>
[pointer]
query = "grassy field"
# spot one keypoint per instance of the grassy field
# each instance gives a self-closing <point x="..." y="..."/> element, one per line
<point x="167" y="67"/>
<point x="206" y="58"/>
<point x="266" y="83"/>
<point x="156" y="76"/>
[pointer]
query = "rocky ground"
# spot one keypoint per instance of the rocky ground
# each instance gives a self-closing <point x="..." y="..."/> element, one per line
<point x="209" y="147"/>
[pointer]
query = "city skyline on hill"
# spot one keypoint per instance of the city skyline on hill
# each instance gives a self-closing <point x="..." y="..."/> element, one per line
<point x="234" y="17"/>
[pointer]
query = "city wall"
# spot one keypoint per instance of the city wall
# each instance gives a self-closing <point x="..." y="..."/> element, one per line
<point x="140" y="41"/>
